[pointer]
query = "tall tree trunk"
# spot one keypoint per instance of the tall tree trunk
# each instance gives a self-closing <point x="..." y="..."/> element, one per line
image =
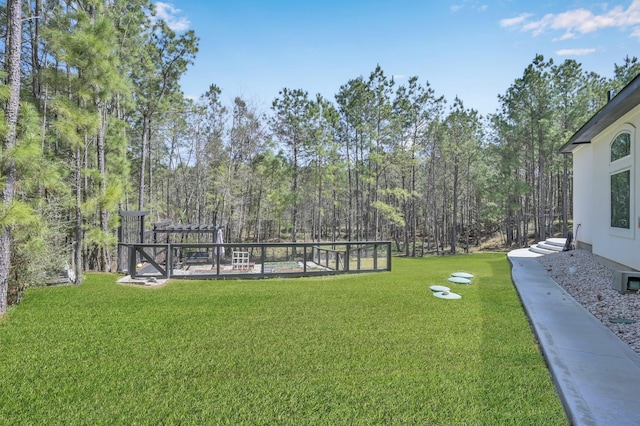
<point x="434" y="213"/>
<point x="414" y="212"/>
<point x="150" y="165"/>
<point x="143" y="161"/>
<point x="294" y="192"/>
<point x="454" y="214"/>
<point x="468" y="205"/>
<point x="542" y="199"/>
<point x="34" y="35"/>
<point x="351" y="194"/>
<point x="13" y="43"/>
<point x="88" y="259"/>
<point x="78" y="246"/>
<point x="104" y="258"/>
<point x="318" y="233"/>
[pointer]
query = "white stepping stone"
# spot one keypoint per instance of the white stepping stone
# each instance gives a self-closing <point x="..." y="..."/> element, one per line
<point x="462" y="275"/>
<point x="447" y="295"/>
<point x="460" y="280"/>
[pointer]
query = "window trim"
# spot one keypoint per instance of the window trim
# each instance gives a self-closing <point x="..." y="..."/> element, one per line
<point x="626" y="163"/>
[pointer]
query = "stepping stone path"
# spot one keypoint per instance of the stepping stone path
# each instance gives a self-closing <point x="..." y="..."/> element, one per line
<point x="443" y="292"/>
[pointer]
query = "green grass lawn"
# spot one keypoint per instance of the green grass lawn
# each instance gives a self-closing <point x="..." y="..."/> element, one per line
<point x="357" y="349"/>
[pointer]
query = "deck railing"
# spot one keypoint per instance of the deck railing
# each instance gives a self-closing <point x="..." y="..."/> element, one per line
<point x="256" y="260"/>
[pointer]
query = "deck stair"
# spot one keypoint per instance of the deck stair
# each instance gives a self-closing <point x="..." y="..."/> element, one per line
<point x="549" y="246"/>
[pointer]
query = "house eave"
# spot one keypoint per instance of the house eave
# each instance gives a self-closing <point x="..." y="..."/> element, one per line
<point x="622" y="103"/>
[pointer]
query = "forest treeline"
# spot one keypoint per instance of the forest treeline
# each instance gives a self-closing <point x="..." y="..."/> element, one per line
<point x="94" y="122"/>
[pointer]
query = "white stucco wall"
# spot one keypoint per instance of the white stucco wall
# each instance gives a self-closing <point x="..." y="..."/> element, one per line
<point x="582" y="193"/>
<point x="592" y="202"/>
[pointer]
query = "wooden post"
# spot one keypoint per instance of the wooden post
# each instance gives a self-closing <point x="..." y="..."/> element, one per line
<point x="346" y="258"/>
<point x="169" y="265"/>
<point x="375" y="257"/>
<point x="132" y="261"/>
<point x="141" y="229"/>
<point x="304" y="259"/>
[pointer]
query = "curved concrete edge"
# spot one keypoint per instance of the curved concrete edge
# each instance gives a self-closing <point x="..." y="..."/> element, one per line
<point x="596" y="375"/>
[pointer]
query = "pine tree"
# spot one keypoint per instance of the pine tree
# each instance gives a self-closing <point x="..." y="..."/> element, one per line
<point x="163" y="61"/>
<point x="10" y="131"/>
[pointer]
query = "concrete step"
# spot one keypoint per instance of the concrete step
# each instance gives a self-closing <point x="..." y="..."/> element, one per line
<point x="560" y="242"/>
<point x="548" y="246"/>
<point x="537" y="249"/>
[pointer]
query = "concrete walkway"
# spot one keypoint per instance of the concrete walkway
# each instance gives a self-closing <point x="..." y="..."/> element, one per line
<point x="596" y="374"/>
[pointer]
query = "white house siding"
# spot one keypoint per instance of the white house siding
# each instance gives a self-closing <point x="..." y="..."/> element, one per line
<point x="583" y="194"/>
<point x="619" y="246"/>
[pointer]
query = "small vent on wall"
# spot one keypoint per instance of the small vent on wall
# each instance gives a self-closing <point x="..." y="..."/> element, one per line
<point x="625" y="281"/>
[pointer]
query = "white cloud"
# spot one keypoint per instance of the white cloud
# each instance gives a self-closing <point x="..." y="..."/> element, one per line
<point x="168" y="13"/>
<point x="566" y="36"/>
<point x="397" y="77"/>
<point x="575" y="52"/>
<point x="579" y="21"/>
<point x="512" y="22"/>
<point x="538" y="27"/>
<point x="472" y="4"/>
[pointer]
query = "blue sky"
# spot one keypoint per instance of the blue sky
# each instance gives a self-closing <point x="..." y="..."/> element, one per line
<point x="466" y="48"/>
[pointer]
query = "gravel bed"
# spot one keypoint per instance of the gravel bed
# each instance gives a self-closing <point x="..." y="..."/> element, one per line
<point x="590" y="284"/>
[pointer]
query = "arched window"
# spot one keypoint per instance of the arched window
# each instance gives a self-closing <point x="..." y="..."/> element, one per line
<point x="621" y="146"/>
<point x="621" y="182"/>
